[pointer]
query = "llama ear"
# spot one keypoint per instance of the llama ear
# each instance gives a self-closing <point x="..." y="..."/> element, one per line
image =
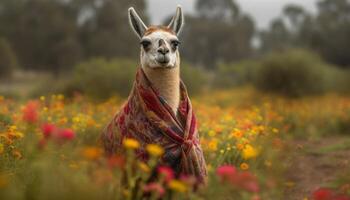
<point x="136" y="23"/>
<point x="178" y="21"/>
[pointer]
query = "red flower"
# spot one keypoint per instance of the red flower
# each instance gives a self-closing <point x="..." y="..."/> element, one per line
<point x="30" y="113"/>
<point x="341" y="197"/>
<point x="48" y="129"/>
<point x="244" y="180"/>
<point x="154" y="187"/>
<point x="247" y="181"/>
<point x="66" y="134"/>
<point x="226" y="172"/>
<point x="116" y="161"/>
<point x="323" y="194"/>
<point x="167" y="172"/>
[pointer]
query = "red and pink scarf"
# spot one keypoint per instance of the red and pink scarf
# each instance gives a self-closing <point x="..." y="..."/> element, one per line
<point x="148" y="118"/>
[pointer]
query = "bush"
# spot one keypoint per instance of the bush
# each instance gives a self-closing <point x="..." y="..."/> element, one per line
<point x="195" y="79"/>
<point x="8" y="60"/>
<point x="293" y="73"/>
<point x="235" y="74"/>
<point x="100" y="78"/>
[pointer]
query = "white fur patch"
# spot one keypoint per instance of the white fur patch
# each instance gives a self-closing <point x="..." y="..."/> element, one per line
<point x="149" y="58"/>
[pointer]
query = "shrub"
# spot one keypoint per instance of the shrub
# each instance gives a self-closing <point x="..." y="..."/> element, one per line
<point x="195" y="79"/>
<point x="235" y="74"/>
<point x="8" y="60"/>
<point x="293" y="73"/>
<point x="100" y="78"/>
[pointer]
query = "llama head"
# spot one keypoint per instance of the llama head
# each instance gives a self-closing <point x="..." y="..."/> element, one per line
<point x="159" y="44"/>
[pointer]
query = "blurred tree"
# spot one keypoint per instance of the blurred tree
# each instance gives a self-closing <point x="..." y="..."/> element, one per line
<point x="8" y="60"/>
<point x="333" y="31"/>
<point x="54" y="35"/>
<point x="276" y="38"/>
<point x="327" y="32"/>
<point x="107" y="34"/>
<point x="220" y="33"/>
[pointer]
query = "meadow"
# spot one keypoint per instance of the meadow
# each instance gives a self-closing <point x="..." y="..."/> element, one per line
<point x="257" y="147"/>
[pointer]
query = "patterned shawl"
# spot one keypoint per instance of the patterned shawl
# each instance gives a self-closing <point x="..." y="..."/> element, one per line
<point x="148" y="118"/>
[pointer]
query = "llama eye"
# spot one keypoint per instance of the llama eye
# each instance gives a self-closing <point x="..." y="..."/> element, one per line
<point x="175" y="44"/>
<point x="145" y="43"/>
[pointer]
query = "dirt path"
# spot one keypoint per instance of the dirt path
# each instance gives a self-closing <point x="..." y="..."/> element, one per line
<point x="316" y="163"/>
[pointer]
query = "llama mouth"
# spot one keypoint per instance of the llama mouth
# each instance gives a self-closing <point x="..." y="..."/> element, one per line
<point x="163" y="60"/>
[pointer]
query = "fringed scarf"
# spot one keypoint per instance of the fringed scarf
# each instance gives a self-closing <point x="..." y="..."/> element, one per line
<point x="148" y="118"/>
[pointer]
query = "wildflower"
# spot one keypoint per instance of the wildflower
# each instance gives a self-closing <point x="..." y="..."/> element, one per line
<point x="244" y="166"/>
<point x="92" y="153"/>
<point x="226" y="172"/>
<point x="154" y="187"/>
<point x="116" y="161"/>
<point x="155" y="150"/>
<point x="249" y="152"/>
<point x="144" y="167"/>
<point x="237" y="133"/>
<point x="240" y="146"/>
<point x="47" y="129"/>
<point x="29" y="112"/>
<point x="177" y="186"/>
<point x="247" y="181"/>
<point x="66" y="134"/>
<point x="322" y="194"/>
<point x="166" y="172"/>
<point x="17" y="154"/>
<point x="130" y="143"/>
<point x="213" y="145"/>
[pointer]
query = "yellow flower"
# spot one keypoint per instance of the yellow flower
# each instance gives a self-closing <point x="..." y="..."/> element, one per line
<point x="177" y="186"/>
<point x="144" y="167"/>
<point x="155" y="150"/>
<point x="244" y="166"/>
<point x="131" y="143"/>
<point x="237" y="133"/>
<point x="211" y="133"/>
<point x="249" y="152"/>
<point x="42" y="98"/>
<point x="275" y="130"/>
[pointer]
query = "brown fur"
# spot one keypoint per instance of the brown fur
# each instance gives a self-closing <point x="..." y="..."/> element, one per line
<point x="153" y="29"/>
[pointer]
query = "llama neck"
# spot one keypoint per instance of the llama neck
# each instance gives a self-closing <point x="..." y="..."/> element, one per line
<point x="167" y="83"/>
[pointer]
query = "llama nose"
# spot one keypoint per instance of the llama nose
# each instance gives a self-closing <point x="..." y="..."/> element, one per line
<point x="163" y="50"/>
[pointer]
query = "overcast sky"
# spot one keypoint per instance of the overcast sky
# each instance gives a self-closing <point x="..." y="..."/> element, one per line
<point x="262" y="10"/>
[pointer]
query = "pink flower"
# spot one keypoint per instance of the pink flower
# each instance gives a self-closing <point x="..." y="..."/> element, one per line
<point x="247" y="181"/>
<point x="167" y="172"/>
<point x="66" y="134"/>
<point x="323" y="194"/>
<point x="30" y="113"/>
<point x="244" y="180"/>
<point x="226" y="172"/>
<point x="48" y="129"/>
<point x="154" y="187"/>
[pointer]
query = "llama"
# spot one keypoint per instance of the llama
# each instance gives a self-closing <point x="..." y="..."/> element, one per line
<point x="158" y="109"/>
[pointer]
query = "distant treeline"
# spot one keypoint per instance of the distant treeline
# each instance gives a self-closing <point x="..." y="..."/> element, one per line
<point x="55" y="35"/>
